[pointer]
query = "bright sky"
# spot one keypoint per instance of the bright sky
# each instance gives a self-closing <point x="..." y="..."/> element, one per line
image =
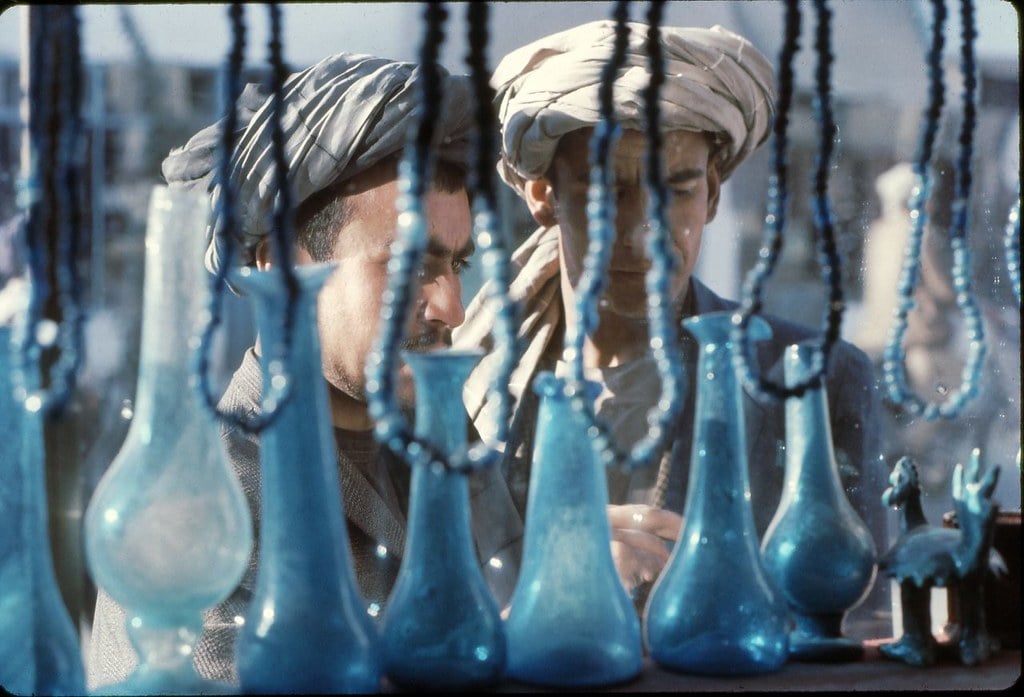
<point x="198" y="33"/>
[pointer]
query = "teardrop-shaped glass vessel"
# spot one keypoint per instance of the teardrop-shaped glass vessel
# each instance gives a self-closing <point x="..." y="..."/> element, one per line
<point x="306" y="630"/>
<point x="441" y="628"/>
<point x="168" y="532"/>
<point x="714" y="610"/>
<point x="817" y="549"/>
<point x="39" y="649"/>
<point x="570" y="621"/>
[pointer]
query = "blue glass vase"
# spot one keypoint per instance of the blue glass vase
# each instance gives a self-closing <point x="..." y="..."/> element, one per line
<point x="570" y="622"/>
<point x="817" y="549"/>
<point x="39" y="648"/>
<point x="441" y="628"/>
<point x="306" y="630"/>
<point x="167" y="531"/>
<point x="714" y="610"/>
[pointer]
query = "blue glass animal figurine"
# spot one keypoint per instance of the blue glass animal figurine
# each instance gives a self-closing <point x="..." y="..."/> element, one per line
<point x="926" y="556"/>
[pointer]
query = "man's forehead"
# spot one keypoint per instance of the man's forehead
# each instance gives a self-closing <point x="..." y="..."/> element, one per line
<point x="679" y="149"/>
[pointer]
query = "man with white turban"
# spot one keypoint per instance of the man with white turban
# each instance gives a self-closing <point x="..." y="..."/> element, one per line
<point x="716" y="105"/>
<point x="346" y="121"/>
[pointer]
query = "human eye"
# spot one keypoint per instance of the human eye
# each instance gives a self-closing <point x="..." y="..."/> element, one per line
<point x="460" y="265"/>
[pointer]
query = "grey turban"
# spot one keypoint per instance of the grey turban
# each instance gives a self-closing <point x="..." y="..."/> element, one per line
<point x="715" y="81"/>
<point x="341" y="116"/>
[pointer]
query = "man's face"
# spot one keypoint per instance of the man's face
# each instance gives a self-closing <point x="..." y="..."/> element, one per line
<point x="350" y="304"/>
<point x="693" y="186"/>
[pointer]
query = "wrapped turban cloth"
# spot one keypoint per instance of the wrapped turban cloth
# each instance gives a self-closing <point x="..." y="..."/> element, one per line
<point x="715" y="81"/>
<point x="341" y="116"/>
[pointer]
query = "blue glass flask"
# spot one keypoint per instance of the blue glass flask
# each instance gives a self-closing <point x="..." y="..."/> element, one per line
<point x="570" y="623"/>
<point x="817" y="549"/>
<point x="441" y="628"/>
<point x="39" y="649"/>
<point x="167" y="531"/>
<point x="714" y="610"/>
<point x="306" y="630"/>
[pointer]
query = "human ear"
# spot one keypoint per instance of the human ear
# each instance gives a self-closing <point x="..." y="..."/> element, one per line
<point x="714" y="189"/>
<point x="540" y="200"/>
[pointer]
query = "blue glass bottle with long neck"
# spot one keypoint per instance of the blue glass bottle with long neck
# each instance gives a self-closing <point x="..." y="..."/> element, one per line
<point x="306" y="630"/>
<point x="570" y="622"/>
<point x="817" y="549"/>
<point x="441" y="628"/>
<point x="714" y="610"/>
<point x="39" y="648"/>
<point x="167" y="531"/>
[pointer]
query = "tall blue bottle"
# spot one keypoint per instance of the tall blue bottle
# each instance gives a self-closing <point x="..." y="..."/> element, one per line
<point x="39" y="647"/>
<point x="714" y="610"/>
<point x="441" y="629"/>
<point x="306" y="630"/>
<point x="570" y="622"/>
<point x="167" y="531"/>
<point x="817" y="549"/>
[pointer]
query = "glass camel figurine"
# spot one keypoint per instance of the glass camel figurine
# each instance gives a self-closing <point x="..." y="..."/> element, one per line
<point x="926" y="556"/>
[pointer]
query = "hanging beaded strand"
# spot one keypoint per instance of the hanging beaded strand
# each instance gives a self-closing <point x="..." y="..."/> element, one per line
<point x="390" y="427"/>
<point x="489" y="245"/>
<point x="664" y="339"/>
<point x="226" y="218"/>
<point x="600" y="232"/>
<point x="744" y="363"/>
<point x="55" y="95"/>
<point x="1011" y="242"/>
<point x="894" y="356"/>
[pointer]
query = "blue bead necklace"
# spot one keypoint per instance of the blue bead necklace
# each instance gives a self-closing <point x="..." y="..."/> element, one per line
<point x="391" y="427"/>
<point x="743" y="361"/>
<point x="1012" y="244"/>
<point x="663" y="340"/>
<point x="276" y="392"/>
<point x="894" y="355"/>
<point x="55" y="169"/>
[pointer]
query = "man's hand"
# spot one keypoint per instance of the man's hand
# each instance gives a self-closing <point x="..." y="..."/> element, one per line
<point x="639" y="534"/>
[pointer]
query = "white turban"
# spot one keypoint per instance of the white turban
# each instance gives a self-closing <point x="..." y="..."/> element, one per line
<point x="341" y="116"/>
<point x="715" y="81"/>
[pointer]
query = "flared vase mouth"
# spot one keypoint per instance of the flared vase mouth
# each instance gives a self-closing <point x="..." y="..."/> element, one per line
<point x="717" y="327"/>
<point x="547" y="384"/>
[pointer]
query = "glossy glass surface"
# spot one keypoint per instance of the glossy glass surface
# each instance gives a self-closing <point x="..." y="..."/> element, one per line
<point x="167" y="532"/>
<point x="570" y="623"/>
<point x="441" y="628"/>
<point x="39" y="649"/>
<point x="817" y="549"/>
<point x="714" y="610"/>
<point x="306" y="630"/>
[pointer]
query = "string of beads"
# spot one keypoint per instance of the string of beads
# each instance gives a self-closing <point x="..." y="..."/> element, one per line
<point x="894" y="370"/>
<point x="600" y="234"/>
<point x="276" y="392"/>
<point x="744" y="363"/>
<point x="391" y="427"/>
<point x="55" y="95"/>
<point x="1011" y="242"/>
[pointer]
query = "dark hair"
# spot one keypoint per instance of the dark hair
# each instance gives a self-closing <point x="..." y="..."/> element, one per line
<point x="319" y="219"/>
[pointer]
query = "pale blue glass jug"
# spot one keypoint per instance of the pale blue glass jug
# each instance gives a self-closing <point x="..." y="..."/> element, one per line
<point x="817" y="549"/>
<point x="570" y="622"/>
<point x="714" y="610"/>
<point x="441" y="628"/>
<point x="39" y="648"/>
<point x="167" y="531"/>
<point x="306" y="630"/>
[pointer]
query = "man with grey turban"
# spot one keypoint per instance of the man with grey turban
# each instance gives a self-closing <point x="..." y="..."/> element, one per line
<point x="716" y="105"/>
<point x="346" y="121"/>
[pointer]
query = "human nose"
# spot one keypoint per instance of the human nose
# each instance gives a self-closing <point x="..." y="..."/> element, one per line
<point x="442" y="297"/>
<point x="631" y="220"/>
